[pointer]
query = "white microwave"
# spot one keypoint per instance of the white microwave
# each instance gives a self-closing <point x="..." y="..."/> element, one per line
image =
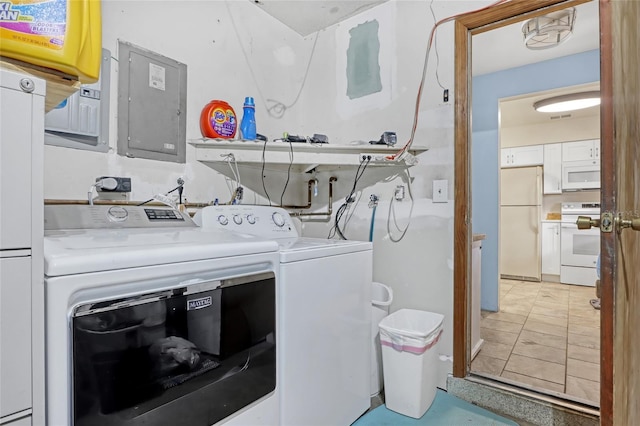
<point x="577" y="175"/>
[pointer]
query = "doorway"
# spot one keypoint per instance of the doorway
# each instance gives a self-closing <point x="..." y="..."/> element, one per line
<point x="500" y="17"/>
<point x="544" y="334"/>
<point x="620" y="85"/>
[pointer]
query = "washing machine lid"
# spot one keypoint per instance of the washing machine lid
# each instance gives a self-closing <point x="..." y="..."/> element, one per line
<point x="68" y="252"/>
<point x="303" y="248"/>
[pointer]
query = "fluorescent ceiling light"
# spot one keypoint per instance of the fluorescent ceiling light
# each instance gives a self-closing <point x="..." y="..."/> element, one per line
<point x="568" y="102"/>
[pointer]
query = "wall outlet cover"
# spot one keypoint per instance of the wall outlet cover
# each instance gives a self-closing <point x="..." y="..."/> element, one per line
<point x="440" y="191"/>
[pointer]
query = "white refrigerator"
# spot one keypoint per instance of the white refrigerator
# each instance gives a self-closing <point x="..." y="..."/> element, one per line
<point x="520" y="204"/>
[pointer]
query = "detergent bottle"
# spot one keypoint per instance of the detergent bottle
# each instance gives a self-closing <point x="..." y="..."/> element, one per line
<point x="64" y="35"/>
<point x="248" y="124"/>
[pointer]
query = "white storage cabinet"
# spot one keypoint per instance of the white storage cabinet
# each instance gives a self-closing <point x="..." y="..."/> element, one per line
<point x="522" y="156"/>
<point x="21" y="234"/>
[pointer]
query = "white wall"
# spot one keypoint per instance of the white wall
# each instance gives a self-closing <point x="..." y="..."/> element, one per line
<point x="201" y="34"/>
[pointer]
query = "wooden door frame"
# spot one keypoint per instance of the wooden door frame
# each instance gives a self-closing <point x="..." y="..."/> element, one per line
<point x="465" y="27"/>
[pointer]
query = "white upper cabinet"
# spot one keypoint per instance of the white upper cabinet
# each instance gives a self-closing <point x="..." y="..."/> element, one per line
<point x="522" y="156"/>
<point x="552" y="169"/>
<point x="581" y="150"/>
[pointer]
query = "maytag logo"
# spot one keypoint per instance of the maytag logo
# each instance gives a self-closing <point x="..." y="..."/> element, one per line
<point x="194" y="304"/>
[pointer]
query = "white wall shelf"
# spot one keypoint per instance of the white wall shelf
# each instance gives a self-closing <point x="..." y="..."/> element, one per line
<point x="306" y="156"/>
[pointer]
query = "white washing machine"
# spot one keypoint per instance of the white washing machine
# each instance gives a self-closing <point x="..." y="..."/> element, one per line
<point x="325" y="316"/>
<point x="153" y="320"/>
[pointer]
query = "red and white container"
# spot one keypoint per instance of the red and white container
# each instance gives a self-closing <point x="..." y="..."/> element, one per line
<point x="409" y="340"/>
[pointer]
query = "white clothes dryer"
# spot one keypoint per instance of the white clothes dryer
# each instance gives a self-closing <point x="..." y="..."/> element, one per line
<point x="325" y="316"/>
<point x="152" y="320"/>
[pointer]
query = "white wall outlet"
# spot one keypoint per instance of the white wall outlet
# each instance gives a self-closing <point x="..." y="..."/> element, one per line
<point x="440" y="191"/>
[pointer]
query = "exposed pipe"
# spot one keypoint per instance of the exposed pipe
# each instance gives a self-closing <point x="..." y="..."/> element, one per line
<point x="329" y="211"/>
<point x="311" y="184"/>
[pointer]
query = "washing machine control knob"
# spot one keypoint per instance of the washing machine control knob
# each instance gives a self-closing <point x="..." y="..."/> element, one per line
<point x="251" y="219"/>
<point x="237" y="219"/>
<point x="278" y="219"/>
<point x="222" y="220"/>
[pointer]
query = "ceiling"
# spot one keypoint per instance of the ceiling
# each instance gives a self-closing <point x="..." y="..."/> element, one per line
<point x="513" y="53"/>
<point x="308" y="16"/>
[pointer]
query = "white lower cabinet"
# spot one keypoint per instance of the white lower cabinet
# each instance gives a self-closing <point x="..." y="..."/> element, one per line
<point x="15" y="334"/>
<point x="551" y="248"/>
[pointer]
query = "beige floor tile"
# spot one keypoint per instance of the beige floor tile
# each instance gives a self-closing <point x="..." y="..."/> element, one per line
<point x="552" y="312"/>
<point x="553" y="294"/>
<point x="583" y="329"/>
<point x="584" y="322"/>
<point x="541" y="327"/>
<point x="552" y="304"/>
<point x="495" y="350"/>
<point x="517" y="309"/>
<point x="532" y="381"/>
<point x="544" y="370"/>
<point x="498" y="325"/>
<point x="547" y="285"/>
<point x="583" y="354"/>
<point x="485" y="364"/>
<point x="587" y="341"/>
<point x="546" y="319"/>
<point x="583" y="370"/>
<point x="585" y="389"/>
<point x="545" y="353"/>
<point x="505" y="316"/>
<point x="532" y="337"/>
<point x="503" y="337"/>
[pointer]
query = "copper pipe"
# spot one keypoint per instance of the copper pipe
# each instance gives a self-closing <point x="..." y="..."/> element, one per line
<point x="311" y="183"/>
<point x="329" y="211"/>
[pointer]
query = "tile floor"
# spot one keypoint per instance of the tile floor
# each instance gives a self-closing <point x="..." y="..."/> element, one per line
<point x="546" y="336"/>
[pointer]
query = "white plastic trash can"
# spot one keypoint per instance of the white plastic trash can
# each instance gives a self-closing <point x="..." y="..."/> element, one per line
<point x="409" y="341"/>
<point x="381" y="298"/>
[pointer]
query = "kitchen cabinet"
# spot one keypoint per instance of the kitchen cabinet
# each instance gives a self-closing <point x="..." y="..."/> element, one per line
<point x="552" y="169"/>
<point x="522" y="156"/>
<point x="22" y="108"/>
<point x="551" y="247"/>
<point x="581" y="150"/>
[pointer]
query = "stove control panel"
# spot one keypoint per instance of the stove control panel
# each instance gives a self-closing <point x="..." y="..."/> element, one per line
<point x="58" y="217"/>
<point x="261" y="221"/>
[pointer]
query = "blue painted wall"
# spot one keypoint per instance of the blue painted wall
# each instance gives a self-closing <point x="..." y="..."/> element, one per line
<point x="487" y="89"/>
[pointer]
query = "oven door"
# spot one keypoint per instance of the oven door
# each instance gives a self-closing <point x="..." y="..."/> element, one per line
<point x="578" y="247"/>
<point x="191" y="355"/>
<point x="578" y="175"/>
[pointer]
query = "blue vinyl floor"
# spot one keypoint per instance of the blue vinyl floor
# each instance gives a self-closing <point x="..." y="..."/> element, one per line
<point x="446" y="410"/>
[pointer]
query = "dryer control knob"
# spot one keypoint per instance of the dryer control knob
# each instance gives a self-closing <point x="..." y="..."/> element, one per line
<point x="278" y="219"/>
<point x="251" y="219"/>
<point x="222" y="220"/>
<point x="237" y="219"/>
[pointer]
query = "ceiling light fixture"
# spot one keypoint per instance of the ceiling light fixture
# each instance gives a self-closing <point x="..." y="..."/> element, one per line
<point x="544" y="32"/>
<point x="569" y="102"/>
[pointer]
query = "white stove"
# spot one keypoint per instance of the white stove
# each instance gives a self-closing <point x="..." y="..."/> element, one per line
<point x="579" y="249"/>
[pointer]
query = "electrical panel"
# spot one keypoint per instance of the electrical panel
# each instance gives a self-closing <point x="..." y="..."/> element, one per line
<point x="82" y="120"/>
<point x="152" y="111"/>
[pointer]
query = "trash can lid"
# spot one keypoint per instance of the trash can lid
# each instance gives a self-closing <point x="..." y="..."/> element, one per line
<point x="412" y="323"/>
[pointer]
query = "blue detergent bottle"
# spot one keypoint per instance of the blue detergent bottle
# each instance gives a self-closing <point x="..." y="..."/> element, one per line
<point x="248" y="124"/>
